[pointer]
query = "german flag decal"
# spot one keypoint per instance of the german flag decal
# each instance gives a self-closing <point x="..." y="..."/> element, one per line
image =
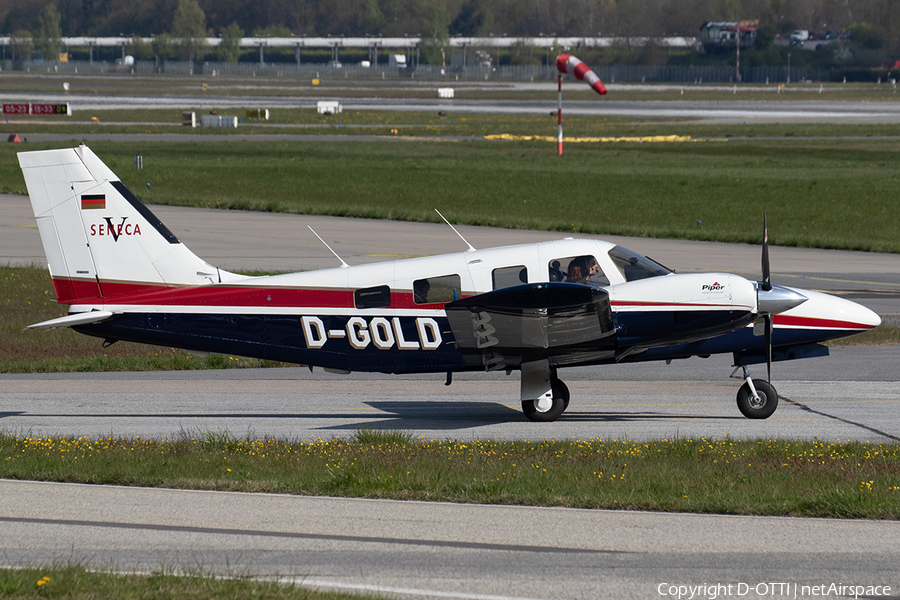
<point x="93" y="201"/>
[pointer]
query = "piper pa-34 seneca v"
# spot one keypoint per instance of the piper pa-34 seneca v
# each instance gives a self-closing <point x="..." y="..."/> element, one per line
<point x="535" y="308"/>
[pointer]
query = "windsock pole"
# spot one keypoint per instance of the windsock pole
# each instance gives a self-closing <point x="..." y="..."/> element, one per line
<point x="559" y="115"/>
<point x="566" y="63"/>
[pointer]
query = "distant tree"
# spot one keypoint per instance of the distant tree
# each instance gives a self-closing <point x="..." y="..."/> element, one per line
<point x="765" y="35"/>
<point x="469" y="20"/>
<point x="22" y="44"/>
<point x="435" y="35"/>
<point x="189" y="28"/>
<point x="272" y="31"/>
<point x="229" y="50"/>
<point x="49" y="34"/>
<point x="140" y="49"/>
<point x="163" y="47"/>
<point x="372" y="17"/>
<point x="71" y="14"/>
<point x="865" y="36"/>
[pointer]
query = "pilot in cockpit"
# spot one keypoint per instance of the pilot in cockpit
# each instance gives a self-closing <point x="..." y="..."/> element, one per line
<point x="581" y="269"/>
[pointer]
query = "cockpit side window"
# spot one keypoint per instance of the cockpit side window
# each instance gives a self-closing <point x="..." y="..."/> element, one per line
<point x="578" y="269"/>
<point x="436" y="289"/>
<point x="635" y="266"/>
<point x="509" y="276"/>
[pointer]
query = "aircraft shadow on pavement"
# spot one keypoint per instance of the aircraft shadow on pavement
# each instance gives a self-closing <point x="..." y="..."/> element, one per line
<point x="632" y="417"/>
<point x="445" y="415"/>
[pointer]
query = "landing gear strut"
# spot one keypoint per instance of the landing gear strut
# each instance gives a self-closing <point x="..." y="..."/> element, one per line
<point x="757" y="398"/>
<point x="544" y="396"/>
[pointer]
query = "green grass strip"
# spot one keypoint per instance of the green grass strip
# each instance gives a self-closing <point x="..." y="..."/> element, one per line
<point x="79" y="583"/>
<point x="717" y="475"/>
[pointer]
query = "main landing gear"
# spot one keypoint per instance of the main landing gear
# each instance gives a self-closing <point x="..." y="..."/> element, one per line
<point x="757" y="398"/>
<point x="544" y="396"/>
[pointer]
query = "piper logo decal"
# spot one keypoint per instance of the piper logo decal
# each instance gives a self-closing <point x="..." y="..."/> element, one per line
<point x="716" y="287"/>
<point x="116" y="230"/>
<point x="381" y="332"/>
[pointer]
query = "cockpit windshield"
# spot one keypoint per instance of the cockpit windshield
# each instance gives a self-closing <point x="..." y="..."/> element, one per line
<point x="635" y="266"/>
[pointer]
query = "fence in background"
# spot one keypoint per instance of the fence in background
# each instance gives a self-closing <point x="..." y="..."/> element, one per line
<point x="610" y="74"/>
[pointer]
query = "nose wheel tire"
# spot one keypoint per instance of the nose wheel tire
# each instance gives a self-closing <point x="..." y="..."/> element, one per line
<point x="761" y="408"/>
<point x="545" y="410"/>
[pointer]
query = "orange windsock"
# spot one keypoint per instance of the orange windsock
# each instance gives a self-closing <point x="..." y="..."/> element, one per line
<point x="566" y="63"/>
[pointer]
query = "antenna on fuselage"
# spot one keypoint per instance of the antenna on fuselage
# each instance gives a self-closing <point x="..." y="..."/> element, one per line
<point x="455" y="231"/>
<point x="343" y="264"/>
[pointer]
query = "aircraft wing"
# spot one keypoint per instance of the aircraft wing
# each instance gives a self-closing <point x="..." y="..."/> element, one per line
<point x="564" y="322"/>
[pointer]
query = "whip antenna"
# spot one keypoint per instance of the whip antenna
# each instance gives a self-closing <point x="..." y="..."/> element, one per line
<point x="455" y="231"/>
<point x="343" y="264"/>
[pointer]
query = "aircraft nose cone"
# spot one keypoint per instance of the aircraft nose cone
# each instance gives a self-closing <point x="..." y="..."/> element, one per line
<point x="839" y="316"/>
<point x="853" y="315"/>
<point x="864" y="316"/>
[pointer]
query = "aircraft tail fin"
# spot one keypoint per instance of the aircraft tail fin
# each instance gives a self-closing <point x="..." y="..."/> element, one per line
<point x="99" y="238"/>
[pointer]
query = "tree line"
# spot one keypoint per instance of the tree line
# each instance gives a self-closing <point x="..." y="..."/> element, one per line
<point x="43" y="22"/>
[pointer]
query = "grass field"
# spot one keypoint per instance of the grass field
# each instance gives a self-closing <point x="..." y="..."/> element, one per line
<point x="834" y="193"/>
<point x="306" y="121"/>
<point x="718" y="475"/>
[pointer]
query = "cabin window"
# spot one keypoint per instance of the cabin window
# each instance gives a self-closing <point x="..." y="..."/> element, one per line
<point x="635" y="266"/>
<point x="436" y="289"/>
<point x="578" y="269"/>
<point x="509" y="276"/>
<point x="373" y="297"/>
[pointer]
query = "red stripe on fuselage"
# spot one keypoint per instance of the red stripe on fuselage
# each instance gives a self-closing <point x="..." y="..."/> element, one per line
<point x="230" y="295"/>
<point x="818" y="323"/>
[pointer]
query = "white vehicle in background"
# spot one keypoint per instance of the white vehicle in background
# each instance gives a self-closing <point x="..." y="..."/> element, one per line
<point x="799" y="36"/>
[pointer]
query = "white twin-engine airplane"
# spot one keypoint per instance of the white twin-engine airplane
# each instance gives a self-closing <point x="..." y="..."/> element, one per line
<point x="533" y="308"/>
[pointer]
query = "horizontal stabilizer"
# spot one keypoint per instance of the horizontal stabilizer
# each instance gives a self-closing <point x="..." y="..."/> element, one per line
<point x="85" y="318"/>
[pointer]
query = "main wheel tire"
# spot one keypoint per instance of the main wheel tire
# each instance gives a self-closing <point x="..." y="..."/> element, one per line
<point x="560" y="390"/>
<point x="533" y="411"/>
<point x="762" y="409"/>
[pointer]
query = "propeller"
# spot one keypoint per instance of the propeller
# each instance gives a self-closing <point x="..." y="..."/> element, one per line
<point x="772" y="299"/>
<point x="766" y="286"/>
<point x="766" y="282"/>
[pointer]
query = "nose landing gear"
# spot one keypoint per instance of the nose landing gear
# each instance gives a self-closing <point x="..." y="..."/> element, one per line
<point x="757" y="398"/>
